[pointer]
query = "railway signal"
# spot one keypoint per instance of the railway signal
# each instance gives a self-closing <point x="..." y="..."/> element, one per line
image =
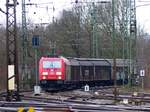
<point x="35" y="44"/>
<point x="35" y="41"/>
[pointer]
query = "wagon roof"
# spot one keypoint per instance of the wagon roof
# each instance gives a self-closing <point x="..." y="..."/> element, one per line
<point x="96" y="61"/>
<point x="120" y="62"/>
<point x="87" y="62"/>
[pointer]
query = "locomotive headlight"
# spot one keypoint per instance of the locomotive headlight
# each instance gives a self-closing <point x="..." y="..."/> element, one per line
<point x="44" y="77"/>
<point x="45" y="73"/>
<point x="58" y="73"/>
<point x="59" y="77"/>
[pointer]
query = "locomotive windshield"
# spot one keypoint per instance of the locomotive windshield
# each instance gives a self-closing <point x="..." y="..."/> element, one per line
<point x="51" y="64"/>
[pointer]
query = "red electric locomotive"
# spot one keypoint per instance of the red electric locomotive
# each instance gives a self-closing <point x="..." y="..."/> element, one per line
<point x="51" y="71"/>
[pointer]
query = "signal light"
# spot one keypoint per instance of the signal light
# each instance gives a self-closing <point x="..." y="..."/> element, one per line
<point x="58" y="73"/>
<point x="44" y="77"/>
<point x="59" y="77"/>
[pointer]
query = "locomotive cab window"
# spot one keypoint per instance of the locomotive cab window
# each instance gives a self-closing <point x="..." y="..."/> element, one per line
<point x="51" y="64"/>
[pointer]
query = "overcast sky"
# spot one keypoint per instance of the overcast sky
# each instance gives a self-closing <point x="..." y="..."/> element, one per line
<point x="143" y="14"/>
<point x="44" y="12"/>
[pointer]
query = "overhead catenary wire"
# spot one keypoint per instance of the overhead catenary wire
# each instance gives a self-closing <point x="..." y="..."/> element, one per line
<point x="143" y="1"/>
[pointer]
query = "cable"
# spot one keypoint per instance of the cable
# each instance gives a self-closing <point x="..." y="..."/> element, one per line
<point x="142" y="1"/>
<point x="142" y="5"/>
<point x="2" y="11"/>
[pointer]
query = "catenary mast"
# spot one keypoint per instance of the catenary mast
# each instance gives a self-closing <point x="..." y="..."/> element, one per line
<point x="125" y="31"/>
<point x="11" y="49"/>
<point x="24" y="44"/>
<point x="132" y="42"/>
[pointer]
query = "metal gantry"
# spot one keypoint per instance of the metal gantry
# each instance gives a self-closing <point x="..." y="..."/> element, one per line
<point x="11" y="48"/>
<point x="132" y="41"/>
<point x="24" y="44"/>
<point x="129" y="35"/>
<point x="78" y="12"/>
<point x="114" y="47"/>
<point x="95" y="44"/>
<point x="94" y="32"/>
<point x="89" y="10"/>
<point x="125" y="31"/>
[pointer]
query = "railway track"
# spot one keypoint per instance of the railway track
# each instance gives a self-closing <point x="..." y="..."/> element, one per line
<point x="87" y="99"/>
<point x="74" y="103"/>
<point x="80" y="96"/>
<point x="48" y="107"/>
